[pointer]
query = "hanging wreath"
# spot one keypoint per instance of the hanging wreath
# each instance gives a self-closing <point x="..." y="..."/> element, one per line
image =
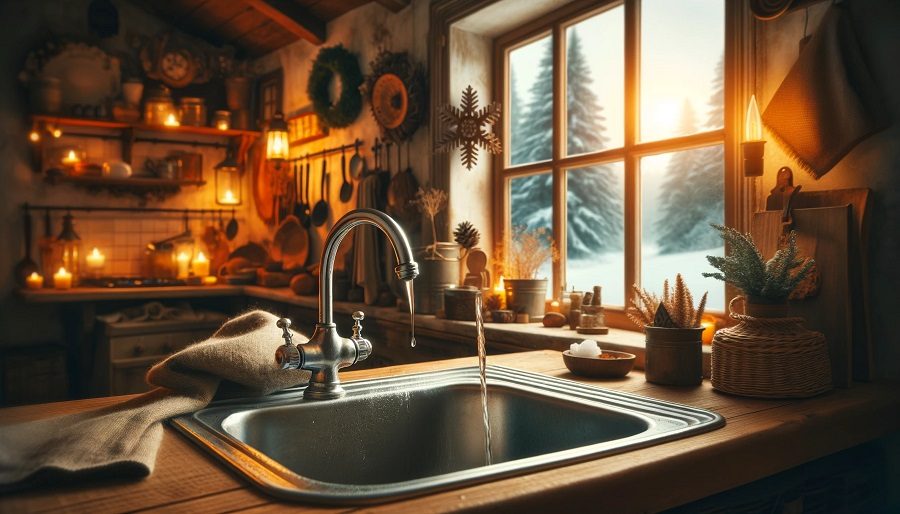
<point x="397" y="95"/>
<point x="331" y="61"/>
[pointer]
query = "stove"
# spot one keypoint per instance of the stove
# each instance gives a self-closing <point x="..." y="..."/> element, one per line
<point x="119" y="282"/>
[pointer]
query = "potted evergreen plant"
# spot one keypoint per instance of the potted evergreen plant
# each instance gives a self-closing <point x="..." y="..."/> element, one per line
<point x="671" y="324"/>
<point x="766" y="284"/>
<point x="528" y="251"/>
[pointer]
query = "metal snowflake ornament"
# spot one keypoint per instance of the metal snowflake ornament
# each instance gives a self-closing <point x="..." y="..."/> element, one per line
<point x="468" y="127"/>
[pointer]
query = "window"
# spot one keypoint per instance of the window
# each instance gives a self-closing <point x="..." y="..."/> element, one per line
<point x="615" y="142"/>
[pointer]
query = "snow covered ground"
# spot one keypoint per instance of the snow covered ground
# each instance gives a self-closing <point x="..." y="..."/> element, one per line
<point x="608" y="270"/>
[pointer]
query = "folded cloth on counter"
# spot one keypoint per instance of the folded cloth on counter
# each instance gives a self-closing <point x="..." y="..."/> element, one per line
<point x="122" y="440"/>
<point x="829" y="101"/>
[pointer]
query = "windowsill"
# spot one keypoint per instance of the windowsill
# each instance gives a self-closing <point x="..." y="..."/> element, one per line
<point x="500" y="336"/>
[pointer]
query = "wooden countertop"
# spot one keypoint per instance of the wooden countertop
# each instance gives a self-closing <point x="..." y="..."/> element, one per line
<point x="761" y="438"/>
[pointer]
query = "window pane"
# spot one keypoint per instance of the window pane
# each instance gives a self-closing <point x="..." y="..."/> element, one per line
<point x="682" y="193"/>
<point x="682" y="47"/>
<point x="531" y="102"/>
<point x="595" y="201"/>
<point x="595" y="87"/>
<point x="531" y="208"/>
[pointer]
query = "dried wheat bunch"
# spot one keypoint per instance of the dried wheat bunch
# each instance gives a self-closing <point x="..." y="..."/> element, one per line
<point x="678" y="302"/>
<point x="430" y="202"/>
<point x="528" y="251"/>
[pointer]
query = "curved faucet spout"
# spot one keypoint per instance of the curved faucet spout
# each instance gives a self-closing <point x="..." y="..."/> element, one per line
<point x="406" y="269"/>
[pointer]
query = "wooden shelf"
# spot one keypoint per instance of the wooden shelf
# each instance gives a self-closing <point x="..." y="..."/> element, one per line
<point x="136" y="182"/>
<point x="162" y="129"/>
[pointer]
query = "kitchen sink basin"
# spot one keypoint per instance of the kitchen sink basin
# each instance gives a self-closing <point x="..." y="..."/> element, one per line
<point x="395" y="437"/>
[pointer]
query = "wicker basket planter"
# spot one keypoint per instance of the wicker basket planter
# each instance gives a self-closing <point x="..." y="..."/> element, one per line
<point x="774" y="357"/>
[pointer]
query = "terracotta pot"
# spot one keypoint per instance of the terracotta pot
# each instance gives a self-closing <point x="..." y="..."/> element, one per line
<point x="674" y="356"/>
<point x="526" y="295"/>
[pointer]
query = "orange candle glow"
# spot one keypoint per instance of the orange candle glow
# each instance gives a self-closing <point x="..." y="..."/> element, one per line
<point x="709" y="328"/>
<point x="500" y="291"/>
<point x="62" y="279"/>
<point x="34" y="281"/>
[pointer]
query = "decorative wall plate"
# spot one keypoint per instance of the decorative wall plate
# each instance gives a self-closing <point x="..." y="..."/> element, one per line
<point x="88" y="75"/>
<point x="397" y="95"/>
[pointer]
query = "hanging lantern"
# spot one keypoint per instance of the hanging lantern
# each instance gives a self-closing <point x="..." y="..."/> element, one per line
<point x="277" y="146"/>
<point x="70" y="244"/>
<point x="228" y="181"/>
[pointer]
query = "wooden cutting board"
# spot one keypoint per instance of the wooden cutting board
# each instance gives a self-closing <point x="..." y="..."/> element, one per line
<point x="863" y="365"/>
<point x="822" y="233"/>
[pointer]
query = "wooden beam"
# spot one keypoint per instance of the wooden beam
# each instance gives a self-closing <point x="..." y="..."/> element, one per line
<point x="293" y="18"/>
<point x="394" y="5"/>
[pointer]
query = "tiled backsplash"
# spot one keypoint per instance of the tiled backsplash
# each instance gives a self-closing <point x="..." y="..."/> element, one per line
<point x="123" y="237"/>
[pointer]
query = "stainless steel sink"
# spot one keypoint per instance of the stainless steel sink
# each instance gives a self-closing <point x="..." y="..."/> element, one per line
<point x="395" y="437"/>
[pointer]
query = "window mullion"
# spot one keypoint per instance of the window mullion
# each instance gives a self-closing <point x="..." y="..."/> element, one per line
<point x="632" y="180"/>
<point x="559" y="138"/>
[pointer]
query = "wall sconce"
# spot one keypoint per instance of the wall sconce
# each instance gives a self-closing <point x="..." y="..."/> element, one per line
<point x="753" y="145"/>
<point x="228" y="181"/>
<point x="277" y="146"/>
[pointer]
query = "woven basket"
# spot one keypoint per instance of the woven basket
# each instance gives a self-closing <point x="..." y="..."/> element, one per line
<point x="769" y="358"/>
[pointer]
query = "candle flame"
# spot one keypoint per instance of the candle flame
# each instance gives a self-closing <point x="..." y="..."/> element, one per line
<point x="200" y="257"/>
<point x="171" y="121"/>
<point x="753" y="130"/>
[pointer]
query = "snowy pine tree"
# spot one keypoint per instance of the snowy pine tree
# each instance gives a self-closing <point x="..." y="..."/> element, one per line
<point x="594" y="209"/>
<point x="692" y="195"/>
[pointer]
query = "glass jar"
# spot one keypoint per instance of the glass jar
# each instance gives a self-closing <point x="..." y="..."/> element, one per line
<point x="193" y="111"/>
<point x="222" y="120"/>
<point x="159" y="106"/>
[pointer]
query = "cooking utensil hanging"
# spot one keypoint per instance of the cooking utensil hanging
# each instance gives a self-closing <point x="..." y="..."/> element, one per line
<point x="402" y="191"/>
<point x="26" y="266"/>
<point x="346" y="185"/>
<point x="357" y="163"/>
<point x="231" y="229"/>
<point x="320" y="211"/>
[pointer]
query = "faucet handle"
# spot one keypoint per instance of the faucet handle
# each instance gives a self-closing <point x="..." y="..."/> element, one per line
<point x="357" y="316"/>
<point x="285" y="325"/>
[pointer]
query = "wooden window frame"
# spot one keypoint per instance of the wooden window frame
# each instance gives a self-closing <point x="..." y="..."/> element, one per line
<point x="737" y="68"/>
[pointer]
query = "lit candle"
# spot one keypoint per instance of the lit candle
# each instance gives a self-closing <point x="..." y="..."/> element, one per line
<point x="34" y="281"/>
<point x="210" y="280"/>
<point x="200" y="265"/>
<point x="222" y="125"/>
<point x="71" y="158"/>
<point x="709" y="328"/>
<point x="95" y="261"/>
<point x="184" y="262"/>
<point x="62" y="279"/>
<point x="500" y="291"/>
<point x="171" y="121"/>
<point x="34" y="136"/>
<point x="228" y="198"/>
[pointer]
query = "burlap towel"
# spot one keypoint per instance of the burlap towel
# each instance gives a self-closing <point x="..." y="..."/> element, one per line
<point x="123" y="439"/>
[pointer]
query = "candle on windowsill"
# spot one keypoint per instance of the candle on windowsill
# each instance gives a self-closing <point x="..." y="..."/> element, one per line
<point x="171" y="121"/>
<point x="34" y="281"/>
<point x="200" y="265"/>
<point x="709" y="328"/>
<point x="500" y="292"/>
<point x="184" y="262"/>
<point x="62" y="279"/>
<point x="95" y="261"/>
<point x="551" y="306"/>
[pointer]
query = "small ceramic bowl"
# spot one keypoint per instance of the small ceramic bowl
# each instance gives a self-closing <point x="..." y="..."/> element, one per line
<point x="610" y="364"/>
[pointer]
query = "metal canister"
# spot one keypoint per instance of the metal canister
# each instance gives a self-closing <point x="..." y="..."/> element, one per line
<point x="193" y="111"/>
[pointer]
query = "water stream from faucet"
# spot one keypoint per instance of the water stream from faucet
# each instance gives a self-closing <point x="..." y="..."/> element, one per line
<point x="412" y="313"/>
<point x="482" y="364"/>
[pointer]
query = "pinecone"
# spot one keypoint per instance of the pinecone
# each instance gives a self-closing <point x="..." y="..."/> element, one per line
<point x="466" y="235"/>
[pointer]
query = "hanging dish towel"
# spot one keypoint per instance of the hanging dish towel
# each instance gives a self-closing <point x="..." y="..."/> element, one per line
<point x="828" y="102"/>
<point x="366" y="248"/>
<point x="122" y="440"/>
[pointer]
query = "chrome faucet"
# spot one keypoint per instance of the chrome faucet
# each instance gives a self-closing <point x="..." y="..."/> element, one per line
<point x="327" y="352"/>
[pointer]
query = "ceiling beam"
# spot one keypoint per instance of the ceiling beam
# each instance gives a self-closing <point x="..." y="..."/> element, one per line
<point x="293" y="18"/>
<point x="394" y="5"/>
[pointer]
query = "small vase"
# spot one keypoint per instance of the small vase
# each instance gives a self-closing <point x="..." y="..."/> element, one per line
<point x="674" y="356"/>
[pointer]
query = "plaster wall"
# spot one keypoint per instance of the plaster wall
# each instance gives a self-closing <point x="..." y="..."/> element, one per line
<point x="874" y="163"/>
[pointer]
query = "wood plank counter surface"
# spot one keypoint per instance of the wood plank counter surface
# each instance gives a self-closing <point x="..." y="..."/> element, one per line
<point x="761" y="438"/>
